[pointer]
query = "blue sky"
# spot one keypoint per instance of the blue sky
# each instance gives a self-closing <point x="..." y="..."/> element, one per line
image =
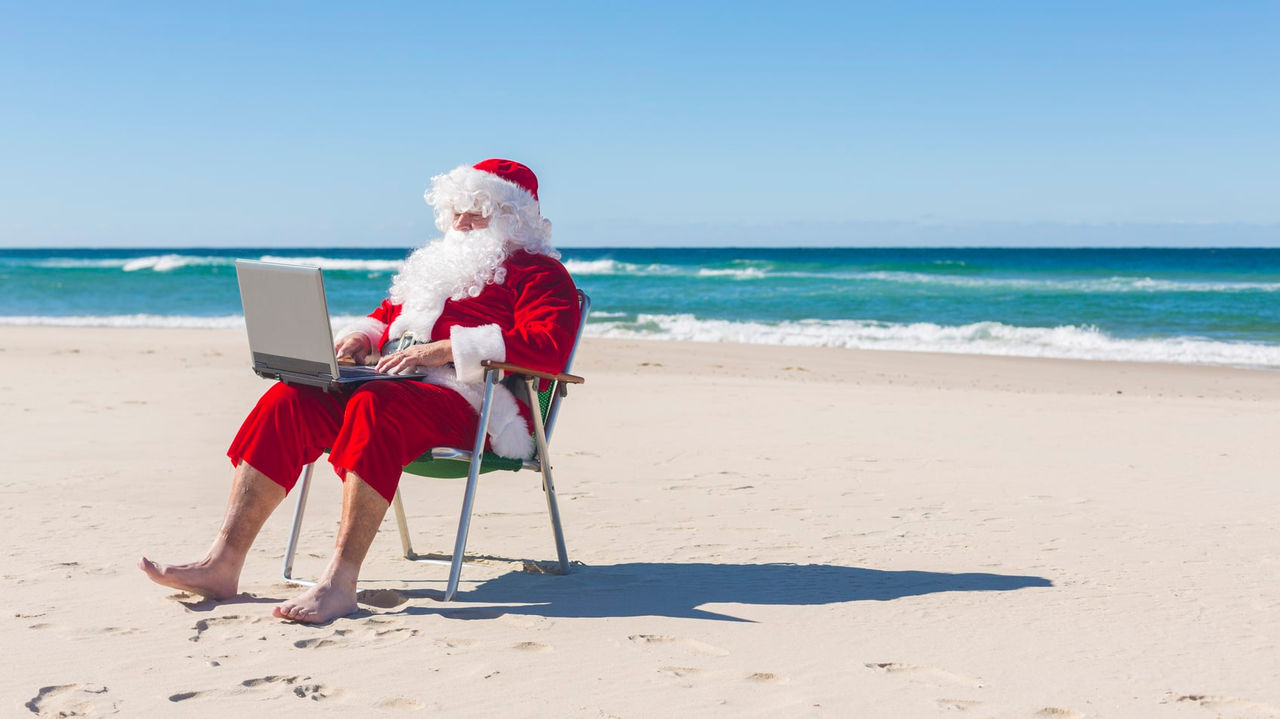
<point x="185" y="124"/>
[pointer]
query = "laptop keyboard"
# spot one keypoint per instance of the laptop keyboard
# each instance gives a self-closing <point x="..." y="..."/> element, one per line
<point x="357" y="371"/>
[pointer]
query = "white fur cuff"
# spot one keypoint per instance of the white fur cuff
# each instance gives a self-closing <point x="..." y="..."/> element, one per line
<point x="367" y="326"/>
<point x="471" y="345"/>
<point x="508" y="434"/>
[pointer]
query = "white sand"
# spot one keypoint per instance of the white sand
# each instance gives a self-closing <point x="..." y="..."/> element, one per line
<point x="763" y="531"/>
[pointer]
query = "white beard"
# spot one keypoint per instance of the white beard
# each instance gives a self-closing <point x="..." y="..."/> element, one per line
<point x="457" y="266"/>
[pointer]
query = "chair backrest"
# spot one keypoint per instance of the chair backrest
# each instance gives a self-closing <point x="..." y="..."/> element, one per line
<point x="549" y="399"/>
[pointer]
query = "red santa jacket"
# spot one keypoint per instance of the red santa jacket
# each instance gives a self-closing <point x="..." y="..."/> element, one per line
<point x="531" y="319"/>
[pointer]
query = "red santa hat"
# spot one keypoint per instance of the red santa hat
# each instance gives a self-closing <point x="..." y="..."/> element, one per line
<point x="511" y="171"/>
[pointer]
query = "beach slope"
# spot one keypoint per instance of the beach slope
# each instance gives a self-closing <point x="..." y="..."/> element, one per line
<point x="759" y="531"/>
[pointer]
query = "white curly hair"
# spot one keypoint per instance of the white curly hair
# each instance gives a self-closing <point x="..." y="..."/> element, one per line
<point x="510" y="208"/>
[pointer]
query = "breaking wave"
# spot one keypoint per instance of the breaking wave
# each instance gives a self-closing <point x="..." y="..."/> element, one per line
<point x="170" y="262"/>
<point x="1081" y="286"/>
<point x="614" y="267"/>
<point x="340" y="264"/>
<point x="983" y="338"/>
<point x="221" y="322"/>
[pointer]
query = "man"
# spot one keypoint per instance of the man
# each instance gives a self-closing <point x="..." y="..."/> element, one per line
<point x="490" y="289"/>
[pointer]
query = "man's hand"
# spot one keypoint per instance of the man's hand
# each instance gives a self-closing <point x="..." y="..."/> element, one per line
<point x="417" y="357"/>
<point x="353" y="347"/>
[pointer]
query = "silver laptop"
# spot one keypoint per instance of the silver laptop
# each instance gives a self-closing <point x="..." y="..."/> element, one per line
<point x="290" y="338"/>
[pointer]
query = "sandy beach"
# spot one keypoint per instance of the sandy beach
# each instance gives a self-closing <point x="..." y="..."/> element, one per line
<point x="759" y="531"/>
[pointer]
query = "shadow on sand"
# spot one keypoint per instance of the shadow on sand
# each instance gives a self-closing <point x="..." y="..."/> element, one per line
<point x="677" y="590"/>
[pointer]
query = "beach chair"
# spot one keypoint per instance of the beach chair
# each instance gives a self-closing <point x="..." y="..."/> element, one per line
<point x="455" y="463"/>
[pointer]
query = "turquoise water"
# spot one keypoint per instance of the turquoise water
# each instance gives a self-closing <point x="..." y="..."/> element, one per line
<point x="1179" y="305"/>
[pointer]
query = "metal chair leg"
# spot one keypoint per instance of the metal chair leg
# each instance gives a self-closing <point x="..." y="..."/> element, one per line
<point x="548" y="487"/>
<point x="403" y="524"/>
<point x="469" y="495"/>
<point x="303" y="488"/>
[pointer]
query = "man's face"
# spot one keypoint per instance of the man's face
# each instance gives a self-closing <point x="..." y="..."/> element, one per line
<point x="468" y="221"/>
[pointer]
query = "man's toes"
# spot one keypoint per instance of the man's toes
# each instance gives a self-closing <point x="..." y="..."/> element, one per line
<point x="291" y="612"/>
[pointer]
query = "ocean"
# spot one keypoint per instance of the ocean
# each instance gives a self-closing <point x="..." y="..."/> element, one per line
<point x="1198" y="306"/>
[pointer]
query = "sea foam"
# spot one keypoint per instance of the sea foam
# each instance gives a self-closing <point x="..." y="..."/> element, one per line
<point x="1083" y="286"/>
<point x="148" y="321"/>
<point x="170" y="262"/>
<point x="984" y="338"/>
<point x="339" y="264"/>
<point x="614" y="267"/>
<point x="127" y="321"/>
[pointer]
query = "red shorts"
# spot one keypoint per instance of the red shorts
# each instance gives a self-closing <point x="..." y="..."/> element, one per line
<point x="373" y="431"/>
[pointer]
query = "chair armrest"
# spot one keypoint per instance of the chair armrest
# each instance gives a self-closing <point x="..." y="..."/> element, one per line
<point x="517" y="369"/>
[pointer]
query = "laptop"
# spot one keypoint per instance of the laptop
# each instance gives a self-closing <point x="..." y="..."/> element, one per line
<point x="290" y="338"/>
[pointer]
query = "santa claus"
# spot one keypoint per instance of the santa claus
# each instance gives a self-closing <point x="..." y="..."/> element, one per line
<point x="490" y="289"/>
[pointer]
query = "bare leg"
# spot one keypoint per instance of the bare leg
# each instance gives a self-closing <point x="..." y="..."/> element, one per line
<point x="253" y="498"/>
<point x="335" y="594"/>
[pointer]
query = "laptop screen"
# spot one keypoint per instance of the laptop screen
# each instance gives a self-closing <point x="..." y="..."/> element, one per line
<point x="287" y="317"/>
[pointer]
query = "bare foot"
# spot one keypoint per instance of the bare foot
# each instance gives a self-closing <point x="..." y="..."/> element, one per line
<point x="202" y="577"/>
<point x="319" y="604"/>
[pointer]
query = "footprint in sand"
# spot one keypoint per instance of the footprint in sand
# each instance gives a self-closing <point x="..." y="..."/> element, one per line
<point x="692" y="645"/>
<point x="1232" y="704"/>
<point x="270" y="679"/>
<point x="82" y="569"/>
<point x="923" y="671"/>
<point x="228" y="627"/>
<point x="316" y="692"/>
<point x="449" y="644"/>
<point x="406" y="703"/>
<point x="959" y="705"/>
<point x="72" y="700"/>
<point x="110" y="631"/>
<point x="278" y="684"/>
<point x="686" y="677"/>
<point x="381" y="598"/>
<point x="296" y="685"/>
<point x="531" y="647"/>
<point x="527" y="621"/>
<point x="367" y="636"/>
<point x="78" y="633"/>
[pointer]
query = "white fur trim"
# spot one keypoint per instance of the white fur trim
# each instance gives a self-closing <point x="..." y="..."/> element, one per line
<point x="466" y="189"/>
<point x="471" y="345"/>
<point x="508" y="432"/>
<point x="367" y="326"/>
<point x="419" y="324"/>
